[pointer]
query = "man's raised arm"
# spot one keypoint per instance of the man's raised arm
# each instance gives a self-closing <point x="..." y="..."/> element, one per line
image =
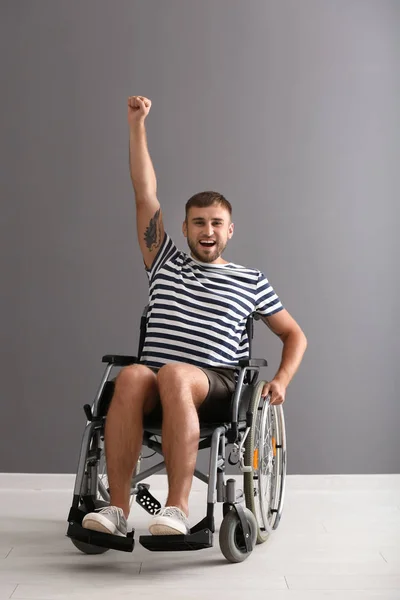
<point x="150" y="226"/>
<point x="142" y="171"/>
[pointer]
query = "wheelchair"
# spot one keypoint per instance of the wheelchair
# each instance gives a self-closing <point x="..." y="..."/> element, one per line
<point x="255" y="432"/>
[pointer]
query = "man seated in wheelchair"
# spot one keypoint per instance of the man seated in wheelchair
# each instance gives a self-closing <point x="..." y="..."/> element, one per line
<point x="196" y="334"/>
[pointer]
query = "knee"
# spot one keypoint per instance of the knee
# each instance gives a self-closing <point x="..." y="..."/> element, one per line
<point x="131" y="375"/>
<point x="175" y="384"/>
<point x="171" y="376"/>
<point x="134" y="382"/>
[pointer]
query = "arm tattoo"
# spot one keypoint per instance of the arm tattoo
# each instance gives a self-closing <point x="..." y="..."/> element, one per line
<point x="152" y="233"/>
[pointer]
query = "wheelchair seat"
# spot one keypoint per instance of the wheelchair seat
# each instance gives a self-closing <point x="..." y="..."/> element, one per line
<point x="154" y="427"/>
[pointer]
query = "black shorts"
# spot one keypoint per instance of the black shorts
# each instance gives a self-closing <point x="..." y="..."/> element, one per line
<point x="216" y="407"/>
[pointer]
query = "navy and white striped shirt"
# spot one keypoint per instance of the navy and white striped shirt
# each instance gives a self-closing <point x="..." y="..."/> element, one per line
<point x="198" y="311"/>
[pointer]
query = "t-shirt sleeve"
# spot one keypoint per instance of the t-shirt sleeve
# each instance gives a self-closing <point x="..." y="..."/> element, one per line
<point x="267" y="302"/>
<point x="166" y="252"/>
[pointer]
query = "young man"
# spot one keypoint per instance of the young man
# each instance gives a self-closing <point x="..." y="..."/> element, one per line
<point x="196" y="334"/>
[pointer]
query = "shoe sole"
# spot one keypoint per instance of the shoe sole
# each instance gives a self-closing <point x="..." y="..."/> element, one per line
<point x="166" y="526"/>
<point x="102" y="527"/>
<point x="165" y="530"/>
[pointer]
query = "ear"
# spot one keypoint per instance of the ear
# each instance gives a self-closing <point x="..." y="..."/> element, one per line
<point x="230" y="230"/>
<point x="184" y="229"/>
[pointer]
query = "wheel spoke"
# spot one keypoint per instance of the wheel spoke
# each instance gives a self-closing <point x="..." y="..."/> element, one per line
<point x="266" y="448"/>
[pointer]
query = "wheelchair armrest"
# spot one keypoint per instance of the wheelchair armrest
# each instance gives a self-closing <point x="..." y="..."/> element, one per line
<point x="119" y="360"/>
<point x="253" y="362"/>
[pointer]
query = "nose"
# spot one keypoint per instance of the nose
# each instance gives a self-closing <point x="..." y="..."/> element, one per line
<point x="209" y="230"/>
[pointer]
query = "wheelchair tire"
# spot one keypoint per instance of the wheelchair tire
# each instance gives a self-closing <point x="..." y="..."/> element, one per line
<point x="89" y="548"/>
<point x="264" y="486"/>
<point x="231" y="540"/>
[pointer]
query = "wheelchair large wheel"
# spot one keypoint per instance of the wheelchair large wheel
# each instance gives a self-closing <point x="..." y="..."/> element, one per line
<point x="265" y="452"/>
<point x="231" y="538"/>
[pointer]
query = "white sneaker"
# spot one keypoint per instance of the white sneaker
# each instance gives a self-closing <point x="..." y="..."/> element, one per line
<point x="110" y="519"/>
<point x="169" y="521"/>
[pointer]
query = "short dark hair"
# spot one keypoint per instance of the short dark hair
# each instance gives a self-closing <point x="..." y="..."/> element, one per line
<point x="208" y="199"/>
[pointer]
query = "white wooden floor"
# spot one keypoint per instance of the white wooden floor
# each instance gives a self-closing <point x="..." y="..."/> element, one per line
<point x="339" y="538"/>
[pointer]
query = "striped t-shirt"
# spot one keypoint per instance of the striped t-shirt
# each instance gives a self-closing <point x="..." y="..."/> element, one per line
<point x="198" y="311"/>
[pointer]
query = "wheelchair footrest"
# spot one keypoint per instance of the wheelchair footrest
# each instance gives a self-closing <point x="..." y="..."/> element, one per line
<point x="104" y="540"/>
<point x="178" y="543"/>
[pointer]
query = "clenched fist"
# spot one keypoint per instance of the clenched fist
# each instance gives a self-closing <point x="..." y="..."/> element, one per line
<point x="138" y="109"/>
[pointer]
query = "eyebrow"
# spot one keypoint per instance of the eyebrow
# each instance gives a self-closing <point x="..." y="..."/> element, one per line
<point x="202" y="219"/>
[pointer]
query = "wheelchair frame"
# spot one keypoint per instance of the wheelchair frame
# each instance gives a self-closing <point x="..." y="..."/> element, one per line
<point x="244" y="527"/>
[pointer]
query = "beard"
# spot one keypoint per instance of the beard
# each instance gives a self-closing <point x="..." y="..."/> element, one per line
<point x="206" y="255"/>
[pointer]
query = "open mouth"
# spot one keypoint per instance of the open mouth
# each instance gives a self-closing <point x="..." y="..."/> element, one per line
<point x="207" y="244"/>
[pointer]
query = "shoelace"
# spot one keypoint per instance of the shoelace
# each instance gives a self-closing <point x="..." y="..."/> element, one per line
<point x="111" y="510"/>
<point x="171" y="511"/>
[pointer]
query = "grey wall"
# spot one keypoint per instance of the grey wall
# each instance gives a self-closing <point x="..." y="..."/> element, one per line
<point x="290" y="109"/>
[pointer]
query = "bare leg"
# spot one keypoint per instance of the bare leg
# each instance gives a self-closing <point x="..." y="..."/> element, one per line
<point x="182" y="389"/>
<point x="136" y="393"/>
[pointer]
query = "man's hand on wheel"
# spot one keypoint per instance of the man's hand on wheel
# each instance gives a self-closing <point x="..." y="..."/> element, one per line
<point x="276" y="390"/>
<point x="138" y="109"/>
